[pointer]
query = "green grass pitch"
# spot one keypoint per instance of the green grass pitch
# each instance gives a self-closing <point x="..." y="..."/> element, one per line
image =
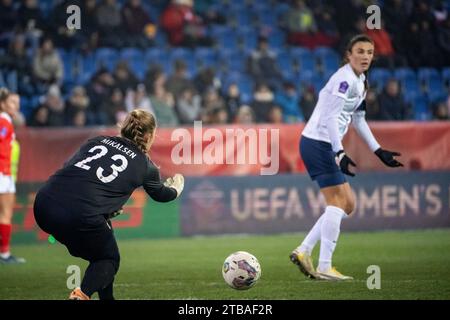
<point x="414" y="265"/>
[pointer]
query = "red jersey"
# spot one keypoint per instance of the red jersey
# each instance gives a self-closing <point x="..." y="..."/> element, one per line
<point x="6" y="138"/>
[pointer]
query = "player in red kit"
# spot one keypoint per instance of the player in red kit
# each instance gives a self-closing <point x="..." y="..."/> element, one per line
<point x="9" y="106"/>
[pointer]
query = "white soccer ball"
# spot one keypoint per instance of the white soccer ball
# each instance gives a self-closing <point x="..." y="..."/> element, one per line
<point x="241" y="270"/>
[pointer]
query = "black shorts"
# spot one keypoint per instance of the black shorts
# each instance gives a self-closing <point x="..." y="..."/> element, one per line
<point x="87" y="237"/>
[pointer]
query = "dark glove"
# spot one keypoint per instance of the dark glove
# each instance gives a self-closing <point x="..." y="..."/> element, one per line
<point x="343" y="161"/>
<point x="387" y="157"/>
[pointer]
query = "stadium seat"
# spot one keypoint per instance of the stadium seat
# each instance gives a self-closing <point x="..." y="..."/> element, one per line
<point x="181" y="53"/>
<point x="285" y="61"/>
<point x="424" y="74"/>
<point x="378" y="77"/>
<point x="86" y="68"/>
<point x="106" y="57"/>
<point x="446" y="76"/>
<point x="320" y="53"/>
<point x="289" y="74"/>
<point x="281" y="9"/>
<point x="233" y="60"/>
<point x="156" y="56"/>
<point x="240" y="18"/>
<point x="306" y="62"/>
<point x="135" y="60"/>
<point x="437" y="93"/>
<point x="404" y="73"/>
<point x="248" y="37"/>
<point x="246" y="89"/>
<point x="227" y="39"/>
<point x="410" y="84"/>
<point x="277" y="39"/>
<point x="161" y="39"/>
<point x="205" y="57"/>
<point x="421" y="111"/>
<point x="266" y="18"/>
<point x="261" y="6"/>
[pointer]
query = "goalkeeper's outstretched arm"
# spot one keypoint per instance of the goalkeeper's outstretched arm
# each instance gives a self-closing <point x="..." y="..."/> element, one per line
<point x="163" y="192"/>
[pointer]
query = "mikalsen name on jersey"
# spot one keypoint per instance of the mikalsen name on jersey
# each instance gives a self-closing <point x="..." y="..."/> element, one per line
<point x="119" y="147"/>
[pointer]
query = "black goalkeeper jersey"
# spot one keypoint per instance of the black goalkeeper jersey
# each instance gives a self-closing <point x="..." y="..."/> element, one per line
<point x="102" y="175"/>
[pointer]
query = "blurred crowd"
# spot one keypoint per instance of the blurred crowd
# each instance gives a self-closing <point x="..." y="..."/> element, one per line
<point x="34" y="37"/>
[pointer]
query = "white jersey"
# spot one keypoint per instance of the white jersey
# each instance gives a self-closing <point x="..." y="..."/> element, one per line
<point x="346" y="85"/>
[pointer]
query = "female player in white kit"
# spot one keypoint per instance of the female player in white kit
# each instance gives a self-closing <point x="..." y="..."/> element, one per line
<point x="340" y="103"/>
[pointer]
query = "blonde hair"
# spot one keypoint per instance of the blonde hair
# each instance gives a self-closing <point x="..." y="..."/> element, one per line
<point x="137" y="126"/>
<point x="4" y="94"/>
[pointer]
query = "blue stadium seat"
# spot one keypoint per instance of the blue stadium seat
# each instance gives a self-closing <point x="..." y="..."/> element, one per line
<point x="106" y="57"/>
<point x="249" y="38"/>
<point x="261" y="6"/>
<point x="311" y="78"/>
<point x="404" y="73"/>
<point x="240" y="17"/>
<point x="289" y="74"/>
<point x="304" y="58"/>
<point x="130" y="54"/>
<point x="246" y="86"/>
<point x="87" y="67"/>
<point x="437" y="93"/>
<point x="327" y="73"/>
<point x="281" y="9"/>
<point x="135" y="60"/>
<point x="161" y="39"/>
<point x="434" y="83"/>
<point x="205" y="57"/>
<point x="266" y="18"/>
<point x="306" y="62"/>
<point x="46" y="7"/>
<point x="421" y="110"/>
<point x="321" y="53"/>
<point x="157" y="56"/>
<point x="285" y="60"/>
<point x="446" y="76"/>
<point x="410" y="84"/>
<point x="378" y="77"/>
<point x="237" y="6"/>
<point x="424" y="74"/>
<point x="233" y="60"/>
<point x="277" y="39"/>
<point x="227" y="39"/>
<point x="181" y="53"/>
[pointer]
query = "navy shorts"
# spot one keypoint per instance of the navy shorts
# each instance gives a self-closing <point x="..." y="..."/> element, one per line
<point x="90" y="238"/>
<point x="318" y="158"/>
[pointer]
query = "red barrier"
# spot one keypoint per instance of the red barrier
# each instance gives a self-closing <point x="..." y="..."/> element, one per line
<point x="425" y="146"/>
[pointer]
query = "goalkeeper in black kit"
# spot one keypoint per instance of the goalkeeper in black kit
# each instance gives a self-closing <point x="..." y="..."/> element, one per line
<point x="76" y="204"/>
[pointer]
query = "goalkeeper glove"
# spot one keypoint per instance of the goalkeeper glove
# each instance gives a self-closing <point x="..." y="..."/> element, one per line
<point x="176" y="182"/>
<point x="387" y="157"/>
<point x="344" y="161"/>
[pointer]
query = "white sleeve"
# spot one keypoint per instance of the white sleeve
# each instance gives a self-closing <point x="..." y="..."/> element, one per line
<point x="334" y="109"/>
<point x="340" y="86"/>
<point x="361" y="126"/>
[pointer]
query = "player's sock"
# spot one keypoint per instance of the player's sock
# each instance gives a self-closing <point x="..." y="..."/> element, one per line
<point x="329" y="235"/>
<point x="5" y="238"/>
<point x="106" y="293"/>
<point x="98" y="275"/>
<point x="311" y="239"/>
